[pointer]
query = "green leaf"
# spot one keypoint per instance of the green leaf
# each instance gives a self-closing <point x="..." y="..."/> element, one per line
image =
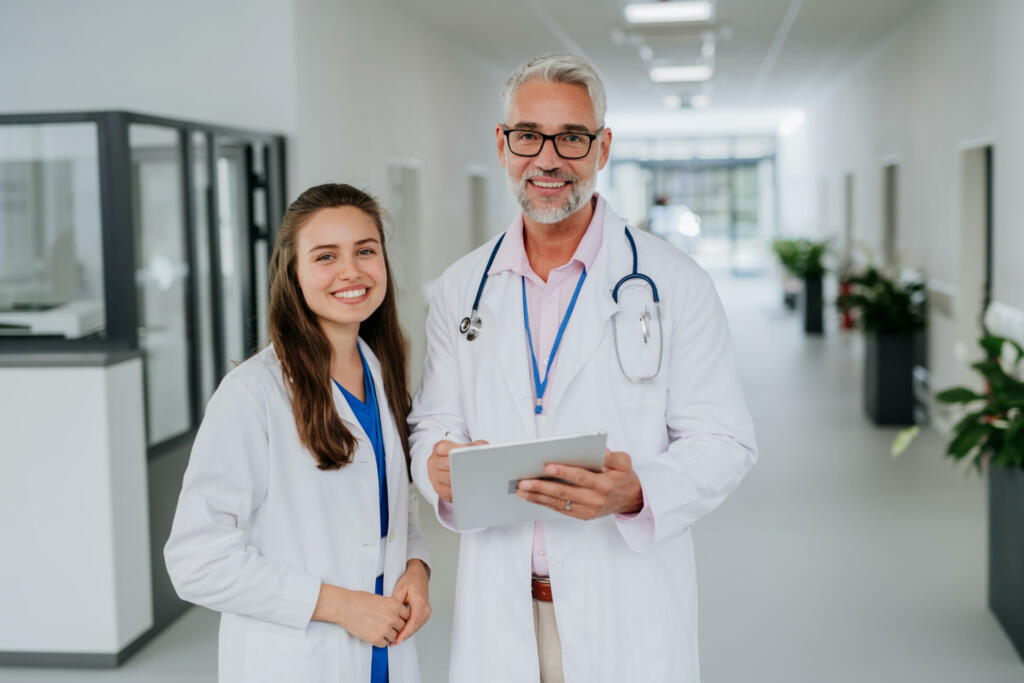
<point x="958" y="395"/>
<point x="968" y="420"/>
<point x="903" y="440"/>
<point x="967" y="440"/>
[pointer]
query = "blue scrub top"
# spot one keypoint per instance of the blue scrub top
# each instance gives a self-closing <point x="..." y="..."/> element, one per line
<point x="368" y="414"/>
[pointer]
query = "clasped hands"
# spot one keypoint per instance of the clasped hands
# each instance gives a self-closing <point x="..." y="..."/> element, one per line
<point x="614" y="490"/>
<point x="380" y="620"/>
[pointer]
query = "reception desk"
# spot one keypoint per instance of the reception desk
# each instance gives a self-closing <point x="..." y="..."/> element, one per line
<point x="75" y="580"/>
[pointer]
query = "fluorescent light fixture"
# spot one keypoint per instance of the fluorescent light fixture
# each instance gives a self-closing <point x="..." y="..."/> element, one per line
<point x="672" y="101"/>
<point x="794" y="120"/>
<point x="701" y="101"/>
<point x="681" y="74"/>
<point x="668" y="12"/>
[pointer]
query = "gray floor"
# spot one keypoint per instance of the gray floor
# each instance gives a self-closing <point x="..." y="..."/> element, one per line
<point x="832" y="563"/>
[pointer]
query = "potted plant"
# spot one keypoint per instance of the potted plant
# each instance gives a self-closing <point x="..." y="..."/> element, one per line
<point x="991" y="437"/>
<point x="785" y="250"/>
<point x="891" y="314"/>
<point x="810" y="267"/>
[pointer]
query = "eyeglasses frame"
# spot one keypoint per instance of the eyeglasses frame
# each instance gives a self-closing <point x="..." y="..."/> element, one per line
<point x="544" y="138"/>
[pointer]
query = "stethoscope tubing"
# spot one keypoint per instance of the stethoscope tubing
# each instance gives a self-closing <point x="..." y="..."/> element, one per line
<point x="470" y="325"/>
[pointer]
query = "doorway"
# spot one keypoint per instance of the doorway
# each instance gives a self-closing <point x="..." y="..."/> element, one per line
<point x="974" y="290"/>
<point x="404" y="254"/>
<point x="890" y="234"/>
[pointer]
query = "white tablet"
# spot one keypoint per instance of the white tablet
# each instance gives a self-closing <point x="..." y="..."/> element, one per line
<point x="484" y="478"/>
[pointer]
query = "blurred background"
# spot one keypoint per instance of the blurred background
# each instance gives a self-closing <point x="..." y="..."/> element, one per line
<point x="850" y="173"/>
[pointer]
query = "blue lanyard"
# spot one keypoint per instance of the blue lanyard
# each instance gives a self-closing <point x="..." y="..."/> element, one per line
<point x="540" y="385"/>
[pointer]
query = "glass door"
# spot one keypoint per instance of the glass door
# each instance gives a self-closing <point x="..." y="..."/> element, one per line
<point x="242" y="207"/>
<point x="162" y="277"/>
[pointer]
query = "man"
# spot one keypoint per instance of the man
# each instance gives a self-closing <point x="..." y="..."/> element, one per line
<point x="560" y="349"/>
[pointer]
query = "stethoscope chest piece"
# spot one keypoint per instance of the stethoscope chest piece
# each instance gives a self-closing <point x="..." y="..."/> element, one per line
<point x="470" y="326"/>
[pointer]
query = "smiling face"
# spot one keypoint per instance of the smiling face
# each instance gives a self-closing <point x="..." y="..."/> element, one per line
<point x="549" y="188"/>
<point x="339" y="265"/>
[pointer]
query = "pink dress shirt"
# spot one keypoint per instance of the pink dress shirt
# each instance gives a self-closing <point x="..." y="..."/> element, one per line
<point x="547" y="303"/>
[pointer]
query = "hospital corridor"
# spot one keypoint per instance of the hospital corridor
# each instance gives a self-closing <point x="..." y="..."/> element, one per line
<point x="766" y="252"/>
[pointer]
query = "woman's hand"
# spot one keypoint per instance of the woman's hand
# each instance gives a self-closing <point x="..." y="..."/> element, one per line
<point x="412" y="590"/>
<point x="376" y="619"/>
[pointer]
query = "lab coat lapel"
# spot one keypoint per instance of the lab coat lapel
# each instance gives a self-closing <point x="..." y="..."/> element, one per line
<point x="345" y="412"/>
<point x="393" y="454"/>
<point x="588" y="324"/>
<point x="502" y="318"/>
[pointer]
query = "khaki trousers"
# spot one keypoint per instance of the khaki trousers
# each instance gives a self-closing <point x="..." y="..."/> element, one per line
<point x="549" y="645"/>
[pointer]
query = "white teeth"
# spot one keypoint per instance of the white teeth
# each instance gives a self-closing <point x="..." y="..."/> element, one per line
<point x="351" y="294"/>
<point x="549" y="185"/>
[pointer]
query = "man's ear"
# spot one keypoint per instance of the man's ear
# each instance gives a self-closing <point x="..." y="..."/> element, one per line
<point x="606" y="146"/>
<point x="499" y="139"/>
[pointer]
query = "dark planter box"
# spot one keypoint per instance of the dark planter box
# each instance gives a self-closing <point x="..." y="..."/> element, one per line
<point x="813" y="305"/>
<point x="1006" y="551"/>
<point x="889" y="378"/>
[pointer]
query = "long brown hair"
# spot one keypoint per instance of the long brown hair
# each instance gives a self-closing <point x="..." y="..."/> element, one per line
<point x="303" y="348"/>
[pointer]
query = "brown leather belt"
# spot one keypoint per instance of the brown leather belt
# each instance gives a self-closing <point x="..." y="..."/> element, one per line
<point x="541" y="588"/>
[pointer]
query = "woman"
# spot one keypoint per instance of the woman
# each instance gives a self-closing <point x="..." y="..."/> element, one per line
<point x="296" y="519"/>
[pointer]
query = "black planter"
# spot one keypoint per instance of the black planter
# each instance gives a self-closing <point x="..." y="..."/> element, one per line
<point x="813" y="305"/>
<point x="889" y="378"/>
<point x="1006" y="551"/>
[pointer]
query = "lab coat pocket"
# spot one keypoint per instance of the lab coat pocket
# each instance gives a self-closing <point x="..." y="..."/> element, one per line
<point x="638" y="335"/>
<point x="279" y="653"/>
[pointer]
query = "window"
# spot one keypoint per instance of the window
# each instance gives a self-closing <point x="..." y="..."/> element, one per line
<point x="51" y="253"/>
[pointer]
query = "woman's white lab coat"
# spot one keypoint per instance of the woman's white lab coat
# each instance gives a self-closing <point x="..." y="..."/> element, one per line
<point x="259" y="527"/>
<point x="625" y="590"/>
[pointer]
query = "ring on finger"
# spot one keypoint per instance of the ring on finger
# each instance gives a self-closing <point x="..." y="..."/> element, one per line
<point x="568" y="506"/>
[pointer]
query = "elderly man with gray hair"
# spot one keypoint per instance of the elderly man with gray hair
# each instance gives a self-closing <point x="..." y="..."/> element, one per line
<point x="579" y="324"/>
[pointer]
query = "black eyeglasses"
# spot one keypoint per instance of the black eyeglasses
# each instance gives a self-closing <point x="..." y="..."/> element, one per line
<point x="529" y="143"/>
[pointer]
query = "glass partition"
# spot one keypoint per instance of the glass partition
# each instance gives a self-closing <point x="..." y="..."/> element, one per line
<point x="123" y="231"/>
<point x="204" y="292"/>
<point x="51" y="254"/>
<point x="161" y="276"/>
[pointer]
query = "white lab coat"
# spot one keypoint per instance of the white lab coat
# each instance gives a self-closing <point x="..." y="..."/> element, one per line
<point x="625" y="590"/>
<point x="259" y="527"/>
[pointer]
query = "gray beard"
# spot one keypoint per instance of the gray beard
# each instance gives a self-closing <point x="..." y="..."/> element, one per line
<point x="579" y="195"/>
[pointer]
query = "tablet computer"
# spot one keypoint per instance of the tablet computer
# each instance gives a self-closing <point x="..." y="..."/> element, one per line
<point x="485" y="478"/>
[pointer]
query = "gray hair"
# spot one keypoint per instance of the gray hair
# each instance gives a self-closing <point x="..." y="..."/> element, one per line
<point x="558" y="68"/>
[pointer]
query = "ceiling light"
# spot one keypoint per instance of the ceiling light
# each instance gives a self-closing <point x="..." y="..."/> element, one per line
<point x="672" y="101"/>
<point x="701" y="101"/>
<point x="681" y="74"/>
<point x="667" y="12"/>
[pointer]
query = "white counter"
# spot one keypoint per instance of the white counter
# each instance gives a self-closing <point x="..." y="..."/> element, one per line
<point x="75" y="575"/>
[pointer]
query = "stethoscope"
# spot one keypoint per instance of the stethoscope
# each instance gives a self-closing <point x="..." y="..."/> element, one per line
<point x="471" y="325"/>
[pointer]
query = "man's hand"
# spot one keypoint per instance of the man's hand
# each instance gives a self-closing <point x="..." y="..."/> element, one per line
<point x="438" y="469"/>
<point x="412" y="591"/>
<point x="616" y="489"/>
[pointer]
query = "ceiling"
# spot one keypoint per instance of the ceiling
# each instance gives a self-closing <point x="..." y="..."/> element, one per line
<point x="770" y="56"/>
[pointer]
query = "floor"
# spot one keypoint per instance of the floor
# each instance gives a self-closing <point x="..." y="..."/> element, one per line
<point x="832" y="562"/>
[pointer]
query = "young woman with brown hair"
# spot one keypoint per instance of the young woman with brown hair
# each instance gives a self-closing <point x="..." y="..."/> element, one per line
<point x="296" y="519"/>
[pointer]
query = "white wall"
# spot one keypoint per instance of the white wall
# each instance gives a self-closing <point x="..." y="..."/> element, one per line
<point x="947" y="76"/>
<point x="230" y="61"/>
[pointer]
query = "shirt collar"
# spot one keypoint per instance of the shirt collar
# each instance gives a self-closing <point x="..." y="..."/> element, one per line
<point x="512" y="254"/>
